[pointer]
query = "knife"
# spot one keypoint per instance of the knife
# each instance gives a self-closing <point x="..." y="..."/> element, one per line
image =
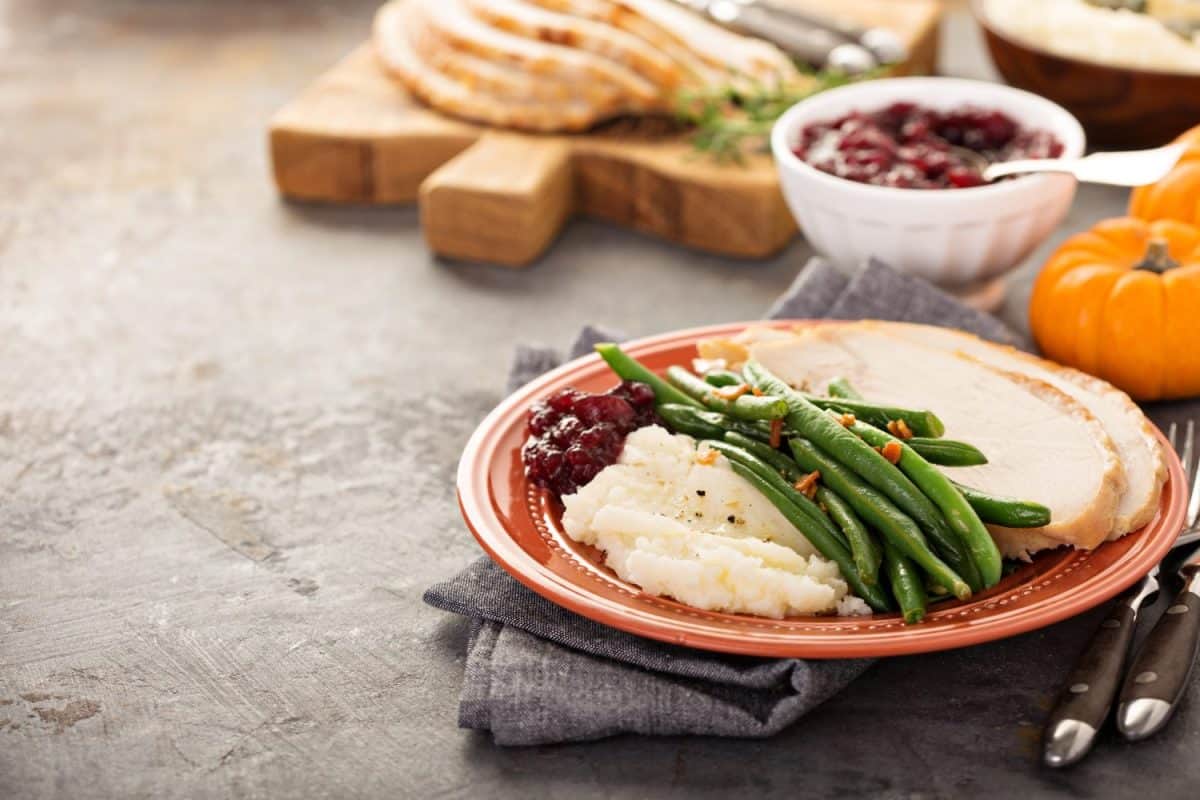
<point x="883" y="43"/>
<point x="800" y="35"/>
<point x="1159" y="675"/>
<point x="1087" y="696"/>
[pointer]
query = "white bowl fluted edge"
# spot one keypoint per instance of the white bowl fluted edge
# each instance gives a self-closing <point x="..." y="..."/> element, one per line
<point x="951" y="237"/>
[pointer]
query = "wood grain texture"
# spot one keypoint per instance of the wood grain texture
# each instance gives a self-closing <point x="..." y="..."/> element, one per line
<point x="354" y="136"/>
<point x="500" y="201"/>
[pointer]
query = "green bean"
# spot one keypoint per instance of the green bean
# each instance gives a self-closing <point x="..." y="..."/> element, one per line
<point x="824" y="431"/>
<point x="864" y="549"/>
<point x="737" y="455"/>
<point x="629" y="368"/>
<point x="938" y="488"/>
<point x="921" y="423"/>
<point x="687" y="419"/>
<point x="847" y="448"/>
<point x="722" y="377"/>
<point x="880" y="513"/>
<point x="790" y="472"/>
<point x="826" y="545"/>
<point x="906" y="584"/>
<point x="840" y="387"/>
<point x="871" y="467"/>
<point x="1006" y="511"/>
<point x="947" y="452"/>
<point x="746" y="407"/>
<point x="944" y="452"/>
<point x="701" y="424"/>
<point x="949" y="544"/>
<point x="936" y="592"/>
<point x="782" y="463"/>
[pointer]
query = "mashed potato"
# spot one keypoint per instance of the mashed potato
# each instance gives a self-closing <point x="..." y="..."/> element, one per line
<point x="1076" y="29"/>
<point x="695" y="531"/>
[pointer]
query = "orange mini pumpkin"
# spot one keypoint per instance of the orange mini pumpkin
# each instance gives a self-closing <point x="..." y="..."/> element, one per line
<point x="1122" y="302"/>
<point x="1176" y="196"/>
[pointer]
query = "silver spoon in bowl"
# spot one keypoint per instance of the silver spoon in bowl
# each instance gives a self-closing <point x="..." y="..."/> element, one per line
<point x="1126" y="168"/>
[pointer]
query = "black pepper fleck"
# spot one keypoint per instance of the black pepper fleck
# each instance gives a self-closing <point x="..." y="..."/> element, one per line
<point x="732" y="519"/>
<point x="701" y="492"/>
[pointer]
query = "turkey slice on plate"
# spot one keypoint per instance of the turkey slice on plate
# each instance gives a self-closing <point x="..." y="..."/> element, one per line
<point x="1042" y="445"/>
<point x="1131" y="432"/>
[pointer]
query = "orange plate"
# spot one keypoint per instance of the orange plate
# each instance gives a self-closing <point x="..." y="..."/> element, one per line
<point x="518" y="525"/>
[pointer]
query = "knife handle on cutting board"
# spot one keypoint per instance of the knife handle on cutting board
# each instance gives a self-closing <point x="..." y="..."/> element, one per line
<point x="1087" y="696"/>
<point x="1159" y="675"/>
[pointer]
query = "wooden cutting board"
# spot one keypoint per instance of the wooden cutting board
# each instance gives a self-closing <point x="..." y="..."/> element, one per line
<point x="355" y="136"/>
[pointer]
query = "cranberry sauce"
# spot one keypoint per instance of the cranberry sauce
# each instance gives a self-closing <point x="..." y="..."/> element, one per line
<point x="574" y="434"/>
<point x="910" y="147"/>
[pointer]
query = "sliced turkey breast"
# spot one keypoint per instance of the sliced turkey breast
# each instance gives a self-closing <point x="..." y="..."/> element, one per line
<point x="1138" y="447"/>
<point x="395" y="50"/>
<point x="531" y="22"/>
<point x="698" y="69"/>
<point x="1042" y="445"/>
<point x="454" y="21"/>
<point x="511" y="62"/>
<point x="744" y="56"/>
<point x="503" y="81"/>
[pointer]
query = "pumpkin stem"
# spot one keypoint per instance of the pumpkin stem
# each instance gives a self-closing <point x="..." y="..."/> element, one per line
<point x="1157" y="259"/>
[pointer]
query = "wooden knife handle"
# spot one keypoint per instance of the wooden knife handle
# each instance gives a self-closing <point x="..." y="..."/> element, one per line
<point x="1088" y="694"/>
<point x="1159" y="675"/>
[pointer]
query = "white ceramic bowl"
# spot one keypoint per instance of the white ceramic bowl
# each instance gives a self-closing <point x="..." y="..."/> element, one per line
<point x="957" y="238"/>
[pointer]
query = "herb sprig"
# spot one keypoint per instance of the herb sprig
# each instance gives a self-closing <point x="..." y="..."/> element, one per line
<point x="732" y="121"/>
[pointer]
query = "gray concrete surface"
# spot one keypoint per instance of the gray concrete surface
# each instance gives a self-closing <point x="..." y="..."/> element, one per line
<point x="228" y="428"/>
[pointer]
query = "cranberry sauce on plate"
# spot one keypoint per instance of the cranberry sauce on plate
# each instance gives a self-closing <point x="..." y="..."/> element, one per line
<point x="574" y="434"/>
<point x="908" y="146"/>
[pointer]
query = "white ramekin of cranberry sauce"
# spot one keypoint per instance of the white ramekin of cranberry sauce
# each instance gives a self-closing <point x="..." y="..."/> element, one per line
<point x="873" y="169"/>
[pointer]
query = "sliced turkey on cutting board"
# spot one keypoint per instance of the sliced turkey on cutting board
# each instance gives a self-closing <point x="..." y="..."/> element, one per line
<point x="1042" y="444"/>
<point x="455" y="22"/>
<point x="662" y="39"/>
<point x="532" y="22"/>
<point x="729" y="52"/>
<point x="563" y="65"/>
<point x="451" y="81"/>
<point x="1130" y="430"/>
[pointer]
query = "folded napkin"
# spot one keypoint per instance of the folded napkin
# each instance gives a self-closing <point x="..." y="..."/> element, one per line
<point x="538" y="674"/>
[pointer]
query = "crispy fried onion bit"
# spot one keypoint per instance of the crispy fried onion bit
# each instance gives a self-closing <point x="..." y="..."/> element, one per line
<point x="731" y="392"/>
<point x="899" y="428"/>
<point x="807" y="485"/>
<point x="891" y="451"/>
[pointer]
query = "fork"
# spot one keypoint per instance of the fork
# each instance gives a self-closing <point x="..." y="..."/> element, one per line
<point x="1158" y="677"/>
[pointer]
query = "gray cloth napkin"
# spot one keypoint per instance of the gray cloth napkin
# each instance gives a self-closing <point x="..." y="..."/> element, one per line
<point x="538" y="674"/>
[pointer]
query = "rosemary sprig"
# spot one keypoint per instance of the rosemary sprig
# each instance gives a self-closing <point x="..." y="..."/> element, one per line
<point x="732" y="121"/>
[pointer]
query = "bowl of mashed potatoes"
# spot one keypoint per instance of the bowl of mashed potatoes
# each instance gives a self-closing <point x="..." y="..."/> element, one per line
<point x="1129" y="71"/>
